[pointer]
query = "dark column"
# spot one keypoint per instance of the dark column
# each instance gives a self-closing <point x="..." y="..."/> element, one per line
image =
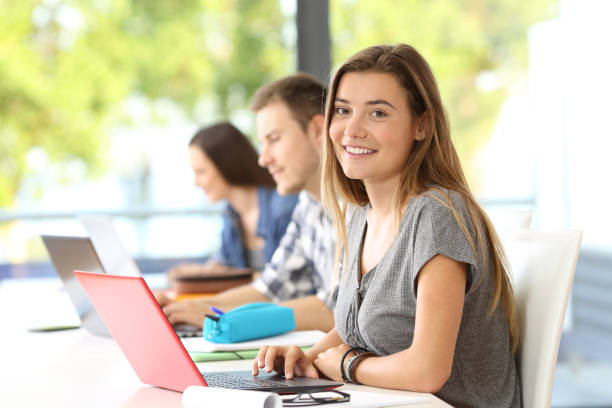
<point x="313" y="44"/>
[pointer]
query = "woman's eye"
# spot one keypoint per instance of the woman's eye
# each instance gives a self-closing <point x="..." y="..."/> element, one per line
<point x="341" y="111"/>
<point x="379" y="114"/>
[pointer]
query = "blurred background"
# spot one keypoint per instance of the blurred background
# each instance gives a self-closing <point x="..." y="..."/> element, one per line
<point x="99" y="98"/>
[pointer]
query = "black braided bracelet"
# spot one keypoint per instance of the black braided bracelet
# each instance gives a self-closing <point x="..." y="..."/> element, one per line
<point x="356" y="350"/>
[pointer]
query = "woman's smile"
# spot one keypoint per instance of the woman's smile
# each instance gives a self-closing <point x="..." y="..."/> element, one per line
<point x="358" y="150"/>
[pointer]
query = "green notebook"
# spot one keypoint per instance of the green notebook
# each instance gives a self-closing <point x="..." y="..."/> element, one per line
<point x="247" y="354"/>
<point x="53" y="328"/>
<point x="200" y="357"/>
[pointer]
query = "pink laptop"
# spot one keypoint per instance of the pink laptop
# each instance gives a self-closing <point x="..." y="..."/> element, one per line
<point x="157" y="355"/>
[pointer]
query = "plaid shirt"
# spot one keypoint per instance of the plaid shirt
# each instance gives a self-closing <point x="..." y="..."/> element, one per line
<point x="303" y="263"/>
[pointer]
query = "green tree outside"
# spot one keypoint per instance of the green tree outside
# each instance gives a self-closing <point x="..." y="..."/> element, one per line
<point x="465" y="41"/>
<point x="67" y="65"/>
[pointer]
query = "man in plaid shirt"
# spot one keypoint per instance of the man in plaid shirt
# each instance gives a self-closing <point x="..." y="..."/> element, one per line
<point x="290" y="127"/>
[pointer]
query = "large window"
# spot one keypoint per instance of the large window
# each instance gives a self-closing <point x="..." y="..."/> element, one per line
<point x="477" y="50"/>
<point x="98" y="100"/>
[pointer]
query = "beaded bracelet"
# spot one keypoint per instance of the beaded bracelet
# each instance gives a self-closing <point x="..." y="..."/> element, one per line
<point x="351" y="350"/>
<point x="352" y="374"/>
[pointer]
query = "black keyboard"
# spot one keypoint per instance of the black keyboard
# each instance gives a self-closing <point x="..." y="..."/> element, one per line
<point x="226" y="380"/>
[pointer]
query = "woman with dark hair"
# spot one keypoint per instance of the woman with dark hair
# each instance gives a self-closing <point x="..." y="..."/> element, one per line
<point x="225" y="166"/>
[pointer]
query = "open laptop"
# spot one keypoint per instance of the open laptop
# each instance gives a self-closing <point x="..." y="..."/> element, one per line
<point x="156" y="354"/>
<point x="68" y="254"/>
<point x="113" y="255"/>
<point x="78" y="253"/>
<point x="118" y="261"/>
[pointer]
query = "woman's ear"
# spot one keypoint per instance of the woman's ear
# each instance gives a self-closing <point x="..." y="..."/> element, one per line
<point x="421" y="126"/>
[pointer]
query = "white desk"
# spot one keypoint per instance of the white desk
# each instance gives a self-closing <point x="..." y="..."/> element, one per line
<point x="74" y="368"/>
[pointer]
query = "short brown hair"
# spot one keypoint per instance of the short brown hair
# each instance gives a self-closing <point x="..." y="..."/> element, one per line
<point x="303" y="94"/>
<point x="233" y="155"/>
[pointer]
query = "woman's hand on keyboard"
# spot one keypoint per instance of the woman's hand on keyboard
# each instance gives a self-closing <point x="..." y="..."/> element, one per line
<point x="290" y="360"/>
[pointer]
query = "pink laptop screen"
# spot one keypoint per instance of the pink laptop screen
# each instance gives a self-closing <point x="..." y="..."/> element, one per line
<point x="132" y="315"/>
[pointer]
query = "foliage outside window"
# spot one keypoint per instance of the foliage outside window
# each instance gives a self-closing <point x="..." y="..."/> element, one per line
<point x="477" y="50"/>
<point x="66" y="67"/>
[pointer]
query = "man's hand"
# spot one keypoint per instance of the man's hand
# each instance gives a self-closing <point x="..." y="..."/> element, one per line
<point x="162" y="298"/>
<point x="190" y="311"/>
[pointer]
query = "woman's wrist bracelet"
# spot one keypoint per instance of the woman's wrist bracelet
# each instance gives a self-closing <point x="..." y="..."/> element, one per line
<point x="342" y="374"/>
<point x="346" y="353"/>
<point x="347" y="370"/>
<point x="352" y="373"/>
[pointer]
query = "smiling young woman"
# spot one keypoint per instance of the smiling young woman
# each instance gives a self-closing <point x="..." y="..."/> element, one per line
<point x="372" y="132"/>
<point x="425" y="301"/>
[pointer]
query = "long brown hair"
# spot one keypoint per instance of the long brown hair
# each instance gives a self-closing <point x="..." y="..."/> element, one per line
<point x="233" y="155"/>
<point x="432" y="161"/>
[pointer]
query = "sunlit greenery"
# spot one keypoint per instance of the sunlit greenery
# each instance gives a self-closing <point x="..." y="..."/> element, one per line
<point x="67" y="65"/>
<point x="477" y="50"/>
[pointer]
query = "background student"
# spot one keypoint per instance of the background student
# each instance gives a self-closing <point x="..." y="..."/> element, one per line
<point x="255" y="218"/>
<point x="290" y="129"/>
<point x="425" y="302"/>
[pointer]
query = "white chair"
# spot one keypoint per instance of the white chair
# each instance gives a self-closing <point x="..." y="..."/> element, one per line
<point x="543" y="265"/>
<point x="506" y="220"/>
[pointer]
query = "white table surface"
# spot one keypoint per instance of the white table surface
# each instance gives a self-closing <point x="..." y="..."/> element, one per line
<point x="73" y="368"/>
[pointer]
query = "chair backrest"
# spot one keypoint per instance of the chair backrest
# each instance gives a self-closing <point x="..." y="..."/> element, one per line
<point x="543" y="265"/>
<point x="506" y="220"/>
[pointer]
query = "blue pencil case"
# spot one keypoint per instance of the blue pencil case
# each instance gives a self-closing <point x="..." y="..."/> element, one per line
<point x="249" y="322"/>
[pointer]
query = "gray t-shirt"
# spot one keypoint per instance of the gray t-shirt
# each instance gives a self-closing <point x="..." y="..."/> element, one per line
<point x="379" y="313"/>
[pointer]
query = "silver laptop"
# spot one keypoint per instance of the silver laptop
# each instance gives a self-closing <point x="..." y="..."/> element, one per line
<point x="78" y="253"/>
<point x="68" y="254"/>
<point x="113" y="255"/>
